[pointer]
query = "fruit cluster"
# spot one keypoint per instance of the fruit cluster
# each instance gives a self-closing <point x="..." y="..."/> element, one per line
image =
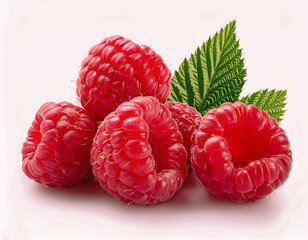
<point x="141" y="147"/>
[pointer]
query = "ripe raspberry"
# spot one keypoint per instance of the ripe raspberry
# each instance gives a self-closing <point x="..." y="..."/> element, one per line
<point x="240" y="153"/>
<point x="188" y="120"/>
<point x="117" y="70"/>
<point x="57" y="149"/>
<point x="138" y="153"/>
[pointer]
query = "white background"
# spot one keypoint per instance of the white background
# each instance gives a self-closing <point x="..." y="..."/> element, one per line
<point x="42" y="44"/>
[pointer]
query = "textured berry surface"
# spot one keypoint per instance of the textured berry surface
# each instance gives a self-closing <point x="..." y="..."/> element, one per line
<point x="188" y="120"/>
<point x="117" y="70"/>
<point x="138" y="153"/>
<point x="240" y="153"/>
<point x="57" y="149"/>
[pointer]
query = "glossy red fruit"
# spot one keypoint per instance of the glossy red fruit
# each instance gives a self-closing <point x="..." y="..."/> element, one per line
<point x="138" y="153"/>
<point x="188" y="120"/>
<point x="240" y="153"/>
<point x="117" y="70"/>
<point x="57" y="149"/>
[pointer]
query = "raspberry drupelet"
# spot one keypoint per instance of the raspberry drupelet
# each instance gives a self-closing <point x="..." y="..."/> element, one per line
<point x="138" y="153"/>
<point x="240" y="153"/>
<point x="58" y="146"/>
<point x="117" y="70"/>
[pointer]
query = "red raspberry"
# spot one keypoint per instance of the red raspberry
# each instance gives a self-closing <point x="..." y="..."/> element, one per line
<point x="138" y="153"/>
<point x="240" y="153"/>
<point x="117" y="70"/>
<point x="188" y="120"/>
<point x="57" y="149"/>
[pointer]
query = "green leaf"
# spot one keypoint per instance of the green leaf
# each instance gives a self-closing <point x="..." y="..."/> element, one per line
<point x="214" y="74"/>
<point x="272" y="101"/>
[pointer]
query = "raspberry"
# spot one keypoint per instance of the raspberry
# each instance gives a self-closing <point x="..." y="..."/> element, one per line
<point x="138" y="153"/>
<point x="188" y="120"/>
<point x="117" y="70"/>
<point x="240" y="153"/>
<point x="58" y="146"/>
